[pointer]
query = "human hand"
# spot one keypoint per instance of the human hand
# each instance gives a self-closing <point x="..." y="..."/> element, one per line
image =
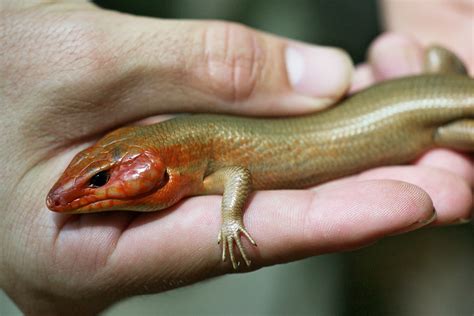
<point x="72" y="72"/>
<point x="446" y="22"/>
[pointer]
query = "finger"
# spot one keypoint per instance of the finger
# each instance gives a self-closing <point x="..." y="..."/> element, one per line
<point x="116" y="68"/>
<point x="451" y="194"/>
<point x="393" y="55"/>
<point x="459" y="164"/>
<point x="286" y="225"/>
<point x="8" y="5"/>
<point x="390" y="55"/>
<point x="446" y="22"/>
<point x="123" y="68"/>
<point x="228" y="67"/>
<point x="363" y="78"/>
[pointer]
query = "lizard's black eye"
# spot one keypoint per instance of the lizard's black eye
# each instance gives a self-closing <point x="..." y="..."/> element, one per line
<point x="99" y="179"/>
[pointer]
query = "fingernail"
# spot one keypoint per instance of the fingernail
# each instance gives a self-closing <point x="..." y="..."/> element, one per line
<point x="416" y="225"/>
<point x="461" y="221"/>
<point x="319" y="72"/>
<point x="429" y="220"/>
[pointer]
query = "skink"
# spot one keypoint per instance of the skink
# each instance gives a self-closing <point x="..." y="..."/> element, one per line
<point x="149" y="168"/>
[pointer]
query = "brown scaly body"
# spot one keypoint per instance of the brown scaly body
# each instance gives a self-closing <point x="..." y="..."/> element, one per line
<point x="152" y="167"/>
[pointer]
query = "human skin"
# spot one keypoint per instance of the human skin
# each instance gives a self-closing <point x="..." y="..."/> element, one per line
<point x="450" y="22"/>
<point x="71" y="72"/>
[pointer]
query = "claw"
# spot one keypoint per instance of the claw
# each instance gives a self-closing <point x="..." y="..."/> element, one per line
<point x="224" y="250"/>
<point x="241" y="249"/>
<point x="246" y="233"/>
<point x="231" y="252"/>
<point x="230" y="234"/>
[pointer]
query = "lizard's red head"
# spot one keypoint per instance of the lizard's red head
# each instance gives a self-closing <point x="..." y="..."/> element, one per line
<point x="109" y="175"/>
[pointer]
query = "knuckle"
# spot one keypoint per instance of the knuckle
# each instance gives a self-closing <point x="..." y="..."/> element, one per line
<point x="234" y="59"/>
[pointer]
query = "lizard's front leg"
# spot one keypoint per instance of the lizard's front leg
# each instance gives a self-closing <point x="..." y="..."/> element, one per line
<point x="234" y="183"/>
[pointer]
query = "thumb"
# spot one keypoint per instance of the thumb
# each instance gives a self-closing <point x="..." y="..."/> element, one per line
<point x="172" y="66"/>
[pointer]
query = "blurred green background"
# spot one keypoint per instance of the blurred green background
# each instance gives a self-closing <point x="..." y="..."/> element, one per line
<point x="429" y="272"/>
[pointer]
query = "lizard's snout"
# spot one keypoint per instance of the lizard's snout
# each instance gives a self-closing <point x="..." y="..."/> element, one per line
<point x="56" y="201"/>
<point x="60" y="197"/>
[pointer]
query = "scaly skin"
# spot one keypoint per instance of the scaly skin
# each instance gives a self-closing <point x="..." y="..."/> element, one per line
<point x="148" y="168"/>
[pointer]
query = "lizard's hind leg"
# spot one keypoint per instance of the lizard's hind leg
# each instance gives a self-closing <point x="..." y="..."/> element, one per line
<point x="456" y="135"/>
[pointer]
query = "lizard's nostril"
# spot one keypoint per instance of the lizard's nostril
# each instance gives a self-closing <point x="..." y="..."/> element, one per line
<point x="53" y="201"/>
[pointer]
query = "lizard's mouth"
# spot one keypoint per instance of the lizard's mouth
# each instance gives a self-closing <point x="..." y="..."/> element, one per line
<point x="81" y="206"/>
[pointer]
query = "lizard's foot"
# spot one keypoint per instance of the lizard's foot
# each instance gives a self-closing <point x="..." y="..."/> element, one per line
<point x="230" y="233"/>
